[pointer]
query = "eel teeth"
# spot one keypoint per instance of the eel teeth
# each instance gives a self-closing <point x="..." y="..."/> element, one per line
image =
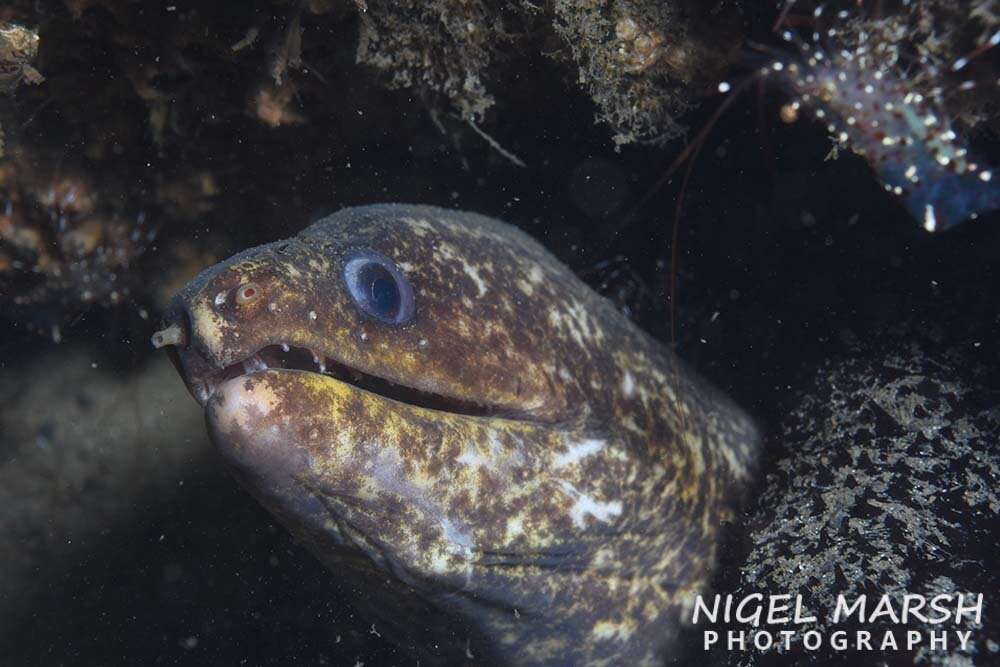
<point x="320" y="363"/>
<point x="254" y="363"/>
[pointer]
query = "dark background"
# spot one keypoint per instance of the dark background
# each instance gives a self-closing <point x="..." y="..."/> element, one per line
<point x="783" y="259"/>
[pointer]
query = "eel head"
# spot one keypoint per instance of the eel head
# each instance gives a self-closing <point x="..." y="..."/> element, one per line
<point x="428" y="400"/>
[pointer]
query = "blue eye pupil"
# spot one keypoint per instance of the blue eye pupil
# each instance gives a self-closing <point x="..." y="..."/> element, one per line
<point x="378" y="288"/>
<point x="384" y="294"/>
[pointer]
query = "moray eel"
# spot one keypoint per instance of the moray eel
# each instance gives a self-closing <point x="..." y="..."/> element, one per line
<point x="497" y="463"/>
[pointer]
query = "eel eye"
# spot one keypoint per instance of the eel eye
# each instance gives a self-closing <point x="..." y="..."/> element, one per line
<point x="378" y="287"/>
<point x="247" y="294"/>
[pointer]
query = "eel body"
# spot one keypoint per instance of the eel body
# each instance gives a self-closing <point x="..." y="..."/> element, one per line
<point x="496" y="462"/>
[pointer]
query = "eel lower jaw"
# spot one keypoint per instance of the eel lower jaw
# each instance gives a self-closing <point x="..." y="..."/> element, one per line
<point x="204" y="379"/>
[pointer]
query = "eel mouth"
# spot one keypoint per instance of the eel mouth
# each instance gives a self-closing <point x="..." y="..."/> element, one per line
<point x="203" y="378"/>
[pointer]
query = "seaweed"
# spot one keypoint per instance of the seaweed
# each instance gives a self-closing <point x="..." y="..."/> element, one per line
<point x="644" y="63"/>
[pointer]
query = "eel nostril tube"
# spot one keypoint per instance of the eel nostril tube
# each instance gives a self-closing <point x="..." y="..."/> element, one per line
<point x="172" y="335"/>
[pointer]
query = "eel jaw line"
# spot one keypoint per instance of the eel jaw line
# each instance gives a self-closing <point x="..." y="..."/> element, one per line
<point x="204" y="378"/>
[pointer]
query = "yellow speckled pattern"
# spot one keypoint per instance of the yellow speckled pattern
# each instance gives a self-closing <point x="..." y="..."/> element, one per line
<point x="571" y="524"/>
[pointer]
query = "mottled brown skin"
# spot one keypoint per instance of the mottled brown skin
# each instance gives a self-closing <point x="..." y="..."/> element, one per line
<point x="570" y="520"/>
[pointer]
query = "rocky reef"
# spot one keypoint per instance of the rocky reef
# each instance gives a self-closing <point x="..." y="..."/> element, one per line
<point x="887" y="485"/>
<point x="156" y="116"/>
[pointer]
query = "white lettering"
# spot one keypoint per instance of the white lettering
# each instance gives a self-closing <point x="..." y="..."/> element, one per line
<point x="812" y="640"/>
<point x="884" y="608"/>
<point x="754" y="618"/>
<point x="765" y="635"/>
<point x="711" y="616"/>
<point x="843" y="611"/>
<point x="912" y="604"/>
<point x="774" y="607"/>
<point x="938" y="603"/>
<point x="799" y="618"/>
<point x="961" y="609"/>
